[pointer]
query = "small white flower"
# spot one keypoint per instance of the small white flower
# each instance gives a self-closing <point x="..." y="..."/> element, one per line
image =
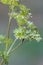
<point x="30" y="23"/>
<point x="30" y="14"/>
<point x="38" y="39"/>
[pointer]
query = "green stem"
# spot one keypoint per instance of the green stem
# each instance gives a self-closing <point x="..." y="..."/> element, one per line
<point x="16" y="47"/>
<point x="9" y="24"/>
<point x="8" y="31"/>
<point x="11" y="46"/>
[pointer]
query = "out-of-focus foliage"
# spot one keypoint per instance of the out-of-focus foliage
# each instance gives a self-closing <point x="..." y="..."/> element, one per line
<point x="5" y="40"/>
<point x="8" y="41"/>
<point x="2" y="38"/>
<point x="9" y="2"/>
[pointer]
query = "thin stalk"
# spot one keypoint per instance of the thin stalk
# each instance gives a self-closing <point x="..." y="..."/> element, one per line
<point x="10" y="17"/>
<point x="9" y="24"/>
<point x="16" y="47"/>
<point x="8" y="34"/>
<point x="8" y="31"/>
<point x="11" y="46"/>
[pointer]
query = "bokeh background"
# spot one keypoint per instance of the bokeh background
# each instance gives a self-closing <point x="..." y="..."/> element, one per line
<point x="31" y="52"/>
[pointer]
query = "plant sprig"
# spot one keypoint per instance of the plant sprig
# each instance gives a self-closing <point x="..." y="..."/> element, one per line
<point x="25" y="28"/>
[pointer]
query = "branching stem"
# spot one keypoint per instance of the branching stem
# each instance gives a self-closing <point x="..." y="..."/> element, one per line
<point x="11" y="46"/>
<point x="16" y="47"/>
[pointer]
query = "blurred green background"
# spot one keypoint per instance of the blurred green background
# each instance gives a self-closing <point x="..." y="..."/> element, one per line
<point x="31" y="52"/>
